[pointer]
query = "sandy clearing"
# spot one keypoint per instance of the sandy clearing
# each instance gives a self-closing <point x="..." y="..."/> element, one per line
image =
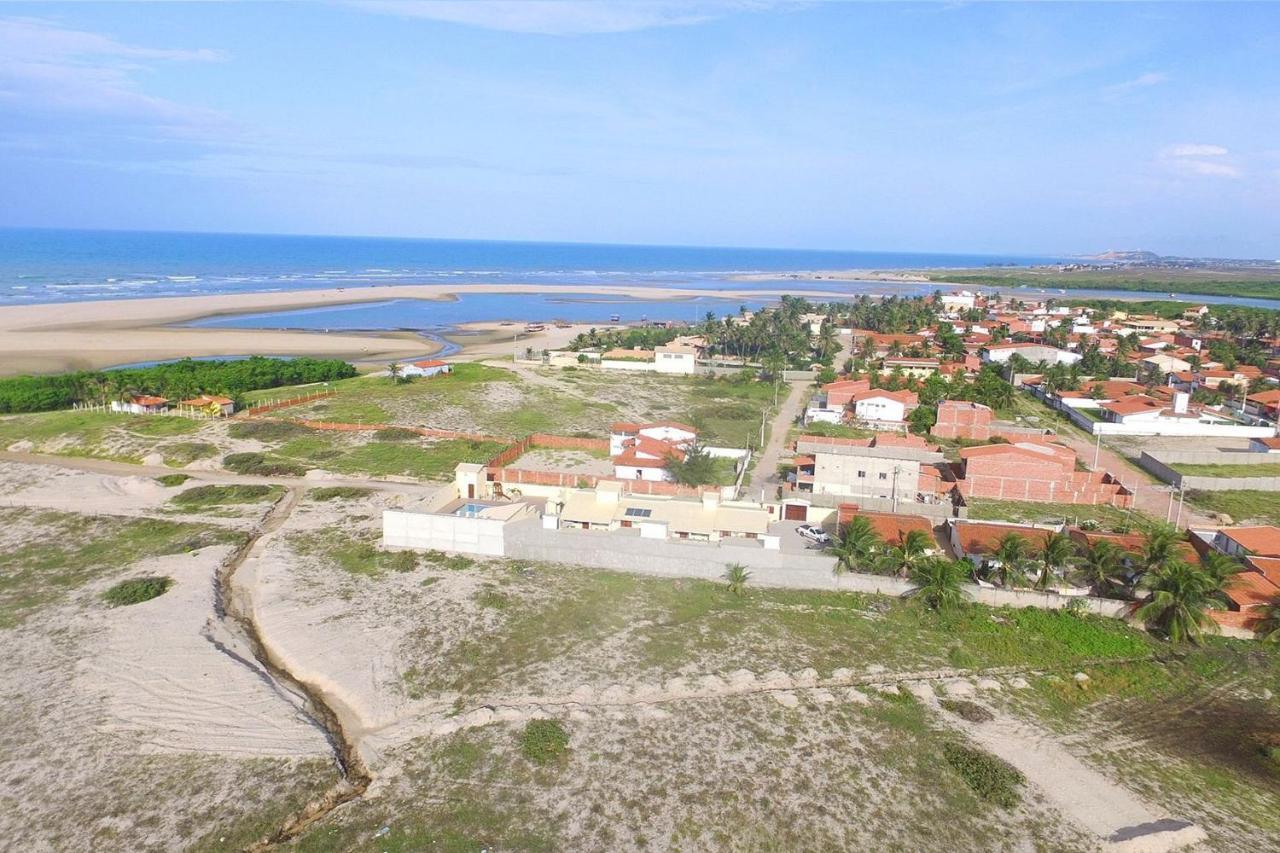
<point x="173" y="678"/>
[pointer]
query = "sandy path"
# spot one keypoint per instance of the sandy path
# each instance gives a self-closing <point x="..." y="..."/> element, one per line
<point x="175" y="680"/>
<point x="766" y="469"/>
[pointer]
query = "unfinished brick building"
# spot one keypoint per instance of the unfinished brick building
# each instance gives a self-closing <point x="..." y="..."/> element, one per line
<point x="1040" y="472"/>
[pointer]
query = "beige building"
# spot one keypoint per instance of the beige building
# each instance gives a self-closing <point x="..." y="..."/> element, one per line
<point x="852" y="470"/>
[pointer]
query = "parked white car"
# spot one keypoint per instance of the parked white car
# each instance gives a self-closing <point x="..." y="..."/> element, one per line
<point x="814" y="533"/>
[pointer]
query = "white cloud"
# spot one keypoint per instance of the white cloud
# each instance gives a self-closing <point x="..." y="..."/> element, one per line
<point x="47" y="69"/>
<point x="1191" y="158"/>
<point x="564" y="17"/>
<point x="1196" y="150"/>
<point x="1142" y="81"/>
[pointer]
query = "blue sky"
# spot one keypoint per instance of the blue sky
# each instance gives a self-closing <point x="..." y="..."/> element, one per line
<point x="959" y="127"/>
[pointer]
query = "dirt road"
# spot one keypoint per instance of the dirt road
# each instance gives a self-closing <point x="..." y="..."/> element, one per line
<point x="788" y="412"/>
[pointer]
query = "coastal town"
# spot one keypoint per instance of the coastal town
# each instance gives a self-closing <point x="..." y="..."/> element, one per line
<point x="945" y="457"/>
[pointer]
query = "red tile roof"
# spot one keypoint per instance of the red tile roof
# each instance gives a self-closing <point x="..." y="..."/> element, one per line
<point x="1263" y="540"/>
<point x="893" y="527"/>
<point x="431" y="362"/>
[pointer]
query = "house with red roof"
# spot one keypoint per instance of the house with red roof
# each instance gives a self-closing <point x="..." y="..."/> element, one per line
<point x="882" y="409"/>
<point x="140" y="404"/>
<point x="426" y="368"/>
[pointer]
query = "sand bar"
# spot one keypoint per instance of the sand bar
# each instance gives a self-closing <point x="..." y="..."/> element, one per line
<point x="62" y="336"/>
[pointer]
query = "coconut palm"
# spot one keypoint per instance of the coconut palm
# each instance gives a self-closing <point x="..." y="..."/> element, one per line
<point x="1011" y="554"/>
<point x="394" y="370"/>
<point x="938" y="581"/>
<point x="1055" y="557"/>
<point x="1268" y="627"/>
<point x="856" y="546"/>
<point x="1180" y="597"/>
<point x="1159" y="546"/>
<point x="1220" y="567"/>
<point x="1101" y="566"/>
<point x="736" y="576"/>
<point x="910" y="552"/>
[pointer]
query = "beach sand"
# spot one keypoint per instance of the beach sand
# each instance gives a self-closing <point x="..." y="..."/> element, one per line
<point x="59" y="337"/>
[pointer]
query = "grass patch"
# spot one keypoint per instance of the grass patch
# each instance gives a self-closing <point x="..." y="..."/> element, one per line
<point x="201" y="497"/>
<point x="357" y="556"/>
<point x="185" y="452"/>
<point x="971" y="711"/>
<point x="339" y="493"/>
<point x="544" y="741"/>
<point x="1031" y="512"/>
<point x="1241" y="504"/>
<point x="836" y="431"/>
<point x="259" y="465"/>
<point x="1264" y="469"/>
<point x="137" y="590"/>
<point x="991" y="778"/>
<point x="159" y="426"/>
<point x="266" y="431"/>
<point x="62" y="551"/>
<point x="452" y="562"/>
<point x="173" y="479"/>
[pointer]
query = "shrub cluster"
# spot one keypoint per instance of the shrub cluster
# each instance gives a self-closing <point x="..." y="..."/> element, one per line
<point x="256" y="463"/>
<point x="991" y="778"/>
<point x="137" y="590"/>
<point x="543" y="741"/>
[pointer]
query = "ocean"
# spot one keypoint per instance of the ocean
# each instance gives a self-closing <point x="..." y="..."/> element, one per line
<point x="38" y="265"/>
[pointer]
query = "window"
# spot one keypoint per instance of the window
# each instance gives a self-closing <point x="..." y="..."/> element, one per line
<point x="862" y="475"/>
<point x="637" y="512"/>
<point x="883" y="475"/>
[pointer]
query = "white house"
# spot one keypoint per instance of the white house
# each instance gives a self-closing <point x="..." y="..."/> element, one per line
<point x="140" y="404"/>
<point x="641" y="451"/>
<point x="878" y="405"/>
<point x="427" y="368"/>
<point x="675" y="358"/>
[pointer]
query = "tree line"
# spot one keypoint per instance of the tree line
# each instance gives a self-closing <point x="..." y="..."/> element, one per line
<point x="176" y="380"/>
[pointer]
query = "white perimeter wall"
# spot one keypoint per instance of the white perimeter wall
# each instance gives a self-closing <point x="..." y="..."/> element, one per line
<point x="442" y="533"/>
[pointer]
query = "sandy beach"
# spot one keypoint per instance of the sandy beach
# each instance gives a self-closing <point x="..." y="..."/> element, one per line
<point x="57" y="337"/>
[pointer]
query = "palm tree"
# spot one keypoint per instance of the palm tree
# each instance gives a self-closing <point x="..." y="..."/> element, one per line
<point x="736" y="575"/>
<point x="394" y="370"/>
<point x="1011" y="554"/>
<point x="1220" y="567"/>
<point x="1268" y="627"/>
<point x="910" y="552"/>
<point x="1056" y="555"/>
<point x="937" y="582"/>
<point x="856" y="545"/>
<point x="1100" y="567"/>
<point x="1180" y="597"/>
<point x="1159" y="546"/>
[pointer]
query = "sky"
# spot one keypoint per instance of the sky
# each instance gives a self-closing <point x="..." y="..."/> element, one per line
<point x="1001" y="128"/>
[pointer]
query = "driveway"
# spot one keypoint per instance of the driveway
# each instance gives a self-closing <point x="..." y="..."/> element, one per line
<point x="766" y="470"/>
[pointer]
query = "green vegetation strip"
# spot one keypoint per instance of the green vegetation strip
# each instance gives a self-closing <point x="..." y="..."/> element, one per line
<point x="991" y="778"/>
<point x="1241" y="504"/>
<point x="1048" y="513"/>
<point x="200" y="497"/>
<point x="1265" y="469"/>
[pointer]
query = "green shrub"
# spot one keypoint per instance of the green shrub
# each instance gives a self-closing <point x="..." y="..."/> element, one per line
<point x="453" y="562"/>
<point x="137" y="590"/>
<point x="971" y="711"/>
<point x="185" y="452"/>
<point x="543" y="741"/>
<point x="339" y="493"/>
<point x="207" y="496"/>
<point x="266" y="431"/>
<point x="258" y="464"/>
<point x="991" y="778"/>
<point x="173" y="479"/>
<point x="396" y="434"/>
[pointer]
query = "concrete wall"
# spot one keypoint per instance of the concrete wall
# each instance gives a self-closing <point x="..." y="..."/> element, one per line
<point x="1160" y="464"/>
<point x="835" y="474"/>
<point x="423" y="531"/>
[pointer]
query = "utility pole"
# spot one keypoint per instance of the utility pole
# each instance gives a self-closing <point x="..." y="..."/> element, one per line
<point x="1181" y="497"/>
<point x="1097" y="449"/>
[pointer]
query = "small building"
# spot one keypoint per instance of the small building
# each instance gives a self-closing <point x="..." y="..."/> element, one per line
<point x="1257" y="541"/>
<point x="211" y="404"/>
<point x="878" y="407"/>
<point x="642" y="451"/>
<point x="676" y="358"/>
<point x="140" y="404"/>
<point x="853" y="467"/>
<point x="917" y="367"/>
<point x="1270" y="444"/>
<point x="428" y="368"/>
